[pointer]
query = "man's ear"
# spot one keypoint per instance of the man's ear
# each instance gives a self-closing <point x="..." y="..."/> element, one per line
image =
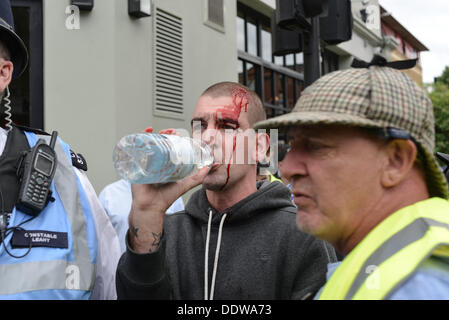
<point x="262" y="145"/>
<point x="401" y="155"/>
<point x="6" y="69"/>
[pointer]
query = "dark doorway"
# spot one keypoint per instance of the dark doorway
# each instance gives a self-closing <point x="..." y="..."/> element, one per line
<point x="27" y="90"/>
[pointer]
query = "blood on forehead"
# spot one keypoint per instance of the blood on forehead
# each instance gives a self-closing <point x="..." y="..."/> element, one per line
<point x="240" y="98"/>
<point x="240" y="101"/>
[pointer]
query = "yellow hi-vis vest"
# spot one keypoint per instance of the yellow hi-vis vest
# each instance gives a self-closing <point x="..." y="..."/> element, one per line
<point x="273" y="178"/>
<point x="392" y="252"/>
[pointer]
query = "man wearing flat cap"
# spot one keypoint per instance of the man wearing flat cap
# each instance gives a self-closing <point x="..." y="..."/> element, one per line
<point x="364" y="178"/>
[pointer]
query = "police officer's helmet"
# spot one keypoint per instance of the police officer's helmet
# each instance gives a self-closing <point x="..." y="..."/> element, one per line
<point x="17" y="49"/>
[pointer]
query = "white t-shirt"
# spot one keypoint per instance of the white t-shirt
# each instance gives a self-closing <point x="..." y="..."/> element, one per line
<point x="108" y="252"/>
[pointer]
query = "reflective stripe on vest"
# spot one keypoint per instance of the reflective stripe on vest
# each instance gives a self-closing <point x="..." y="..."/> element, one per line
<point x="71" y="269"/>
<point x="273" y="178"/>
<point x="392" y="252"/>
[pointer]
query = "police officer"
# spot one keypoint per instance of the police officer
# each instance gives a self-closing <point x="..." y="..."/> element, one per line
<point x="68" y="249"/>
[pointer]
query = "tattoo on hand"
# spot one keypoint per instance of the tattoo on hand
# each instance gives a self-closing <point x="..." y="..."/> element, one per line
<point x="135" y="230"/>
<point x="156" y="240"/>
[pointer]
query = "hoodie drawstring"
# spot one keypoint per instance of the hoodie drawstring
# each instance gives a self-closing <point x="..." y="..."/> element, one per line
<point x="206" y="257"/>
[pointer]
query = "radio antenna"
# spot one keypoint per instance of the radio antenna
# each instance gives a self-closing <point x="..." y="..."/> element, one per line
<point x="54" y="136"/>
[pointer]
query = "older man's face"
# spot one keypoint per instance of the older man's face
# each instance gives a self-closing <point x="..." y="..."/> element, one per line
<point x="335" y="176"/>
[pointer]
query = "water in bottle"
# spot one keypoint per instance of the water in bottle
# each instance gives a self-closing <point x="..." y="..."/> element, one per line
<point x="146" y="158"/>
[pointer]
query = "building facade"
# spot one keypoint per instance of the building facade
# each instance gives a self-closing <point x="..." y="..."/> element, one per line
<point x="407" y="45"/>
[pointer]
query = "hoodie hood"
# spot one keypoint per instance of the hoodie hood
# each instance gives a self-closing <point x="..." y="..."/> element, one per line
<point x="268" y="197"/>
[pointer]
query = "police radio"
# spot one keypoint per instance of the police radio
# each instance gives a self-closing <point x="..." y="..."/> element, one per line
<point x="36" y="172"/>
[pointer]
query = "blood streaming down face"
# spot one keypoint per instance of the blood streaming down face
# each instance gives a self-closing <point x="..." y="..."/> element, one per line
<point x="240" y="101"/>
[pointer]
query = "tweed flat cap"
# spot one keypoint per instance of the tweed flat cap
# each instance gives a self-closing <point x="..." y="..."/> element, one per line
<point x="379" y="97"/>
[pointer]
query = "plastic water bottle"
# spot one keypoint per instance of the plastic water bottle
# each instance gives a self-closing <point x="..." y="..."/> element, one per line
<point x="147" y="158"/>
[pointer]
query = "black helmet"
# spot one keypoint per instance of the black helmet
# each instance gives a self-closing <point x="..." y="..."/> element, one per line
<point x="15" y="45"/>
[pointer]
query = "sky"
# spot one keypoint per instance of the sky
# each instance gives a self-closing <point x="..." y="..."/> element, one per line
<point x="428" y="21"/>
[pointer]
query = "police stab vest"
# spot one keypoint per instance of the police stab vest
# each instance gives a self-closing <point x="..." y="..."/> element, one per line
<point x="61" y="262"/>
<point x="392" y="252"/>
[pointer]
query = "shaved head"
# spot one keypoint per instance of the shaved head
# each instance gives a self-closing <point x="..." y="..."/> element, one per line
<point x="256" y="112"/>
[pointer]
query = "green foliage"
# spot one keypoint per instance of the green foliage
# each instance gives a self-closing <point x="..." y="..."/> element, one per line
<point x="444" y="78"/>
<point x="440" y="100"/>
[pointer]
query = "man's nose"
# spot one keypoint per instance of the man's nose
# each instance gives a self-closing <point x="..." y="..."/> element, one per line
<point x="293" y="165"/>
<point x="209" y="135"/>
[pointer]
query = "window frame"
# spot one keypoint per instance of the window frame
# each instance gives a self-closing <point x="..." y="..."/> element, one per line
<point x="260" y="64"/>
<point x="212" y="24"/>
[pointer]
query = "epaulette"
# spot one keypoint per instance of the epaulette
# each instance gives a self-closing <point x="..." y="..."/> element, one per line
<point x="78" y="161"/>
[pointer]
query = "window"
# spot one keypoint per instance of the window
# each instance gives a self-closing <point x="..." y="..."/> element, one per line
<point x="241" y="34"/>
<point x="266" y="43"/>
<point x="268" y="86"/>
<point x="241" y="71"/>
<point x="251" y="35"/>
<point x="277" y="80"/>
<point x="214" y="14"/>
<point x="299" y="62"/>
<point x="251" y="76"/>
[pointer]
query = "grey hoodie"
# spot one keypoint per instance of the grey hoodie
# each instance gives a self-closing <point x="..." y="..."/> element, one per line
<point x="262" y="253"/>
